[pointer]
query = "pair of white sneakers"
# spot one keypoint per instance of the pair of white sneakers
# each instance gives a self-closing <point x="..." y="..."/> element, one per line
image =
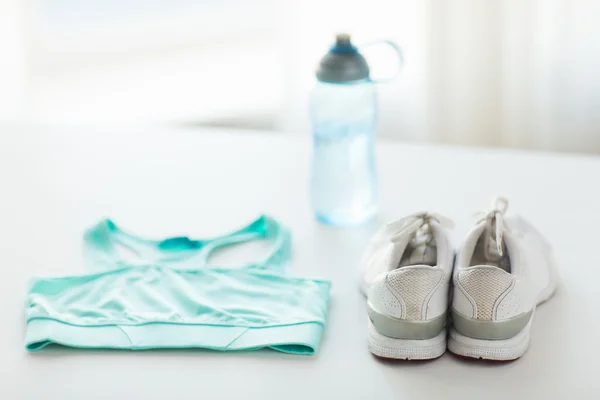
<point x="483" y="299"/>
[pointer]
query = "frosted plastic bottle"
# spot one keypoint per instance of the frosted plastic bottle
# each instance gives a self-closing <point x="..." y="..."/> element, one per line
<point x="343" y="111"/>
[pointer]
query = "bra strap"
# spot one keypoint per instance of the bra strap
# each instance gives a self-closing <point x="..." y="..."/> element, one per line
<point x="264" y="227"/>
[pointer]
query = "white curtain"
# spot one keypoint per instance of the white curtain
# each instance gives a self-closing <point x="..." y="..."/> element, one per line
<point x="516" y="73"/>
<point x="120" y="62"/>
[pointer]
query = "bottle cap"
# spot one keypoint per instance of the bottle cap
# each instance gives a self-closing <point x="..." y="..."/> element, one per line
<point x="343" y="63"/>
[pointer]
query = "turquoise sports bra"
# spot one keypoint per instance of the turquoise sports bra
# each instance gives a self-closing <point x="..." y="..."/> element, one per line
<point x="167" y="296"/>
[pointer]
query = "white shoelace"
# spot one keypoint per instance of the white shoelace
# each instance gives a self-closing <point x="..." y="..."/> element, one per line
<point x="495" y="217"/>
<point x="418" y="222"/>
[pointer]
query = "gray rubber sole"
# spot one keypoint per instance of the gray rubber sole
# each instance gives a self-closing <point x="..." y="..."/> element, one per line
<point x="490" y="330"/>
<point x="402" y="329"/>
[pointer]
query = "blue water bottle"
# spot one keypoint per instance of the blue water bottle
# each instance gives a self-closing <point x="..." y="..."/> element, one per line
<point x="343" y="110"/>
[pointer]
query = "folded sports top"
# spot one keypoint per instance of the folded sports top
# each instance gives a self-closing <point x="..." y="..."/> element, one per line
<point x="170" y="297"/>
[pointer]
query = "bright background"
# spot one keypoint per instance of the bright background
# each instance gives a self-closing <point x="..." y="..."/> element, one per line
<point x="512" y="73"/>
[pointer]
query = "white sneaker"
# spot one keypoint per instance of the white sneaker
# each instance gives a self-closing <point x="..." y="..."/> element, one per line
<point x="406" y="274"/>
<point x="502" y="272"/>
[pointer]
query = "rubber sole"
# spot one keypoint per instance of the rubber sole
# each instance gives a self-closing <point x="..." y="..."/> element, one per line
<point x="497" y="350"/>
<point x="406" y="349"/>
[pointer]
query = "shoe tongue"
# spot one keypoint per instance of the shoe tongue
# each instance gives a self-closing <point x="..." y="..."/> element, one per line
<point x="424" y="253"/>
<point x="421" y="247"/>
<point x="490" y="244"/>
<point x="489" y="248"/>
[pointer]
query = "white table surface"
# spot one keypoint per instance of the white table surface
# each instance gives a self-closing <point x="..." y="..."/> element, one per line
<point x="56" y="182"/>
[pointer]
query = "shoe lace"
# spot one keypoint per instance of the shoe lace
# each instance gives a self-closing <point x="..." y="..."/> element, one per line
<point x="495" y="220"/>
<point x="419" y="223"/>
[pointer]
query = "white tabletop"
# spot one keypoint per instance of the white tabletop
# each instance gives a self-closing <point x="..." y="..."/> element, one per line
<point x="56" y="182"/>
